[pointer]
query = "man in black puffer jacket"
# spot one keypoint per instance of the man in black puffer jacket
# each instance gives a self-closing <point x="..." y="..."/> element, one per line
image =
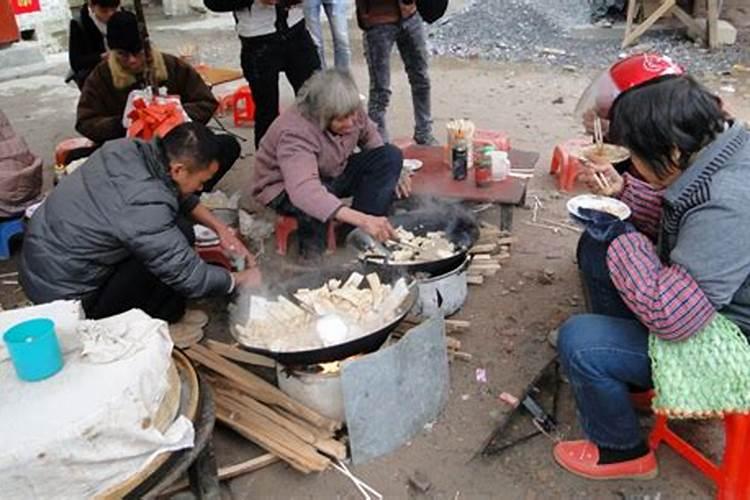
<point x="115" y="234"/>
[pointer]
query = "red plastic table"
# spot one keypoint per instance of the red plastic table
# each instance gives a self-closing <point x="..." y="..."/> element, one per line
<point x="435" y="179"/>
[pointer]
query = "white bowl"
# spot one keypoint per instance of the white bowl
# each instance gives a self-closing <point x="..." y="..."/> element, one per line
<point x="606" y="204"/>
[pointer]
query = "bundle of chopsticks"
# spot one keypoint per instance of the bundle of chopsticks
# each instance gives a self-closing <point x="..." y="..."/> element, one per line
<point x="599" y="177"/>
<point x="460" y="128"/>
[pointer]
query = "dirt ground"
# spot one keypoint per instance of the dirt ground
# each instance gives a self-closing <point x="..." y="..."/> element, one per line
<point x="511" y="314"/>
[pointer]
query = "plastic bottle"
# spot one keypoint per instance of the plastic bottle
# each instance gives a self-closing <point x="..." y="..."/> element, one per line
<point x="500" y="165"/>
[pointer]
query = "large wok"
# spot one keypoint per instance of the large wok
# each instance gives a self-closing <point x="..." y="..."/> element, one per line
<point x="460" y="227"/>
<point x="364" y="344"/>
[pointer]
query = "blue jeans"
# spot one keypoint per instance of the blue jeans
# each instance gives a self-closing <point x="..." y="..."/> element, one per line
<point x="408" y="35"/>
<point x="602" y="357"/>
<point x="602" y="296"/>
<point x="336" y="11"/>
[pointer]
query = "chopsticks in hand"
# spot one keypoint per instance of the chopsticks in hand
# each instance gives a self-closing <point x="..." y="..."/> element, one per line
<point x="598" y="134"/>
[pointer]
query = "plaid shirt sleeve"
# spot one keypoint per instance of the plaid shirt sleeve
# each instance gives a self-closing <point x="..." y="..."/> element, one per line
<point x="664" y="298"/>
<point x="645" y="203"/>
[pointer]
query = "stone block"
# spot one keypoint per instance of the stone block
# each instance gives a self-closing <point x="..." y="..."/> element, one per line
<point x="727" y="34"/>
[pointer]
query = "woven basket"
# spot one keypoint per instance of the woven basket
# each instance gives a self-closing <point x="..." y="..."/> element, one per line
<point x="704" y="376"/>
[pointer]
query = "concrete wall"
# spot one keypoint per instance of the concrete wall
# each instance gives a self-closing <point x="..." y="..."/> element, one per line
<point x="50" y="24"/>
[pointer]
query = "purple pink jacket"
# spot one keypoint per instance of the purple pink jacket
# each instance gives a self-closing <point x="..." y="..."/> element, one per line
<point x="295" y="154"/>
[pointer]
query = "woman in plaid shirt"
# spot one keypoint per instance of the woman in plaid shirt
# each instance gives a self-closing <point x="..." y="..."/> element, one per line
<point x="683" y="258"/>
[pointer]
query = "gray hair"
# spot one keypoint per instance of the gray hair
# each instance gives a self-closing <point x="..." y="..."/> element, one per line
<point x="328" y="94"/>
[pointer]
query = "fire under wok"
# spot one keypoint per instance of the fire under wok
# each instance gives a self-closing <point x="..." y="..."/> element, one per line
<point x="460" y="228"/>
<point x="366" y="337"/>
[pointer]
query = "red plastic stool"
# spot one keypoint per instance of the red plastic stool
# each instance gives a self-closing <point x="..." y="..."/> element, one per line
<point x="730" y="475"/>
<point x="565" y="165"/>
<point x="214" y="255"/>
<point x="244" y="106"/>
<point x="63" y="149"/>
<point x="286" y="225"/>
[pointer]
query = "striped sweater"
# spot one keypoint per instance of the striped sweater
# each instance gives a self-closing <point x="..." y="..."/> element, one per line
<point x="702" y="263"/>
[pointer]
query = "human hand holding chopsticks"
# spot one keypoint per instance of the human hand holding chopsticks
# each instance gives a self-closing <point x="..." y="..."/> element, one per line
<point x="601" y="178"/>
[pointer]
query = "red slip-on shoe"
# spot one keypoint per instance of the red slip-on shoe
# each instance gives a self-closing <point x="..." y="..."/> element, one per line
<point x="582" y="457"/>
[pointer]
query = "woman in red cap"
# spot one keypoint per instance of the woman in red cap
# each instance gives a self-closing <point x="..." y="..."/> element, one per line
<point x="679" y="263"/>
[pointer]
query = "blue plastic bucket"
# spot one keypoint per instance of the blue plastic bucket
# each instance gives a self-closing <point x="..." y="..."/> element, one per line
<point x="34" y="349"/>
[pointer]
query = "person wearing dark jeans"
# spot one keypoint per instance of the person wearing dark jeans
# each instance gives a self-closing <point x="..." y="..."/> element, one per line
<point x="369" y="177"/>
<point x="694" y="160"/>
<point x="274" y="40"/>
<point x="385" y="23"/>
<point x="307" y="162"/>
<point x="264" y="57"/>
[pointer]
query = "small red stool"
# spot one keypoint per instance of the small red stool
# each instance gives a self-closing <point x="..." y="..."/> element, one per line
<point x="243" y="106"/>
<point x="63" y="149"/>
<point x="286" y="225"/>
<point x="214" y="255"/>
<point x="565" y="165"/>
<point x="730" y="475"/>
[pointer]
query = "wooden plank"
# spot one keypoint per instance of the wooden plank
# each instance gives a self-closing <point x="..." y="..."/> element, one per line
<point x="326" y="445"/>
<point x="475" y="279"/>
<point x="686" y="19"/>
<point x="632" y="8"/>
<point x="265" y="433"/>
<point x="229" y="472"/>
<point x="645" y="25"/>
<point x="481" y="257"/>
<point x="257" y="387"/>
<point x="712" y="16"/>
<point x="457" y="325"/>
<point x="236" y="354"/>
<point x="509" y="240"/>
<point x="483" y="248"/>
<point x="460" y="355"/>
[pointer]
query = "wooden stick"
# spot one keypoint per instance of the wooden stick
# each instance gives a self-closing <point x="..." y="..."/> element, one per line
<point x="641" y="28"/>
<point x="509" y="240"/>
<point x="257" y="387"/>
<point x="229" y="472"/>
<point x="326" y="445"/>
<point x="236" y="354"/>
<point x="300" y="455"/>
<point x="484" y="248"/>
<point x="452" y="343"/>
<point x="457" y="325"/>
<point x="475" y="279"/>
<point x="460" y="355"/>
<point x="481" y="256"/>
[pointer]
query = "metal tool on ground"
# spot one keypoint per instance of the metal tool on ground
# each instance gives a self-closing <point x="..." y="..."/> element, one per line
<point x="546" y="384"/>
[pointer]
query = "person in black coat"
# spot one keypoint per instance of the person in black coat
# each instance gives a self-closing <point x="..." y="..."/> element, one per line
<point x="88" y="40"/>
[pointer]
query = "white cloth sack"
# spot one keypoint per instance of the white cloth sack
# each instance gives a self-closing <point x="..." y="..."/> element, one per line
<point x="87" y="428"/>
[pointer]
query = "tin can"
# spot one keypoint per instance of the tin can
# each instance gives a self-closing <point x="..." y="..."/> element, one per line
<point x="459" y="161"/>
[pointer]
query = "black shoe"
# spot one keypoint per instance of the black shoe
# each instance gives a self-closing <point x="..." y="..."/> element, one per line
<point x="427" y="140"/>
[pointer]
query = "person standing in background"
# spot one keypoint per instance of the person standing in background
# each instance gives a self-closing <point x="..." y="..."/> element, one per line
<point x="336" y="11"/>
<point x="274" y="40"/>
<point x="386" y="22"/>
<point x="88" y="38"/>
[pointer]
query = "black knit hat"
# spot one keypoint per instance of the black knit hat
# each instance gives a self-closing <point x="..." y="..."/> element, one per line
<point x="122" y="33"/>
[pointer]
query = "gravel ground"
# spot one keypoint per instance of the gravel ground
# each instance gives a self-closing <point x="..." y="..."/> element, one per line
<point x="556" y="32"/>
